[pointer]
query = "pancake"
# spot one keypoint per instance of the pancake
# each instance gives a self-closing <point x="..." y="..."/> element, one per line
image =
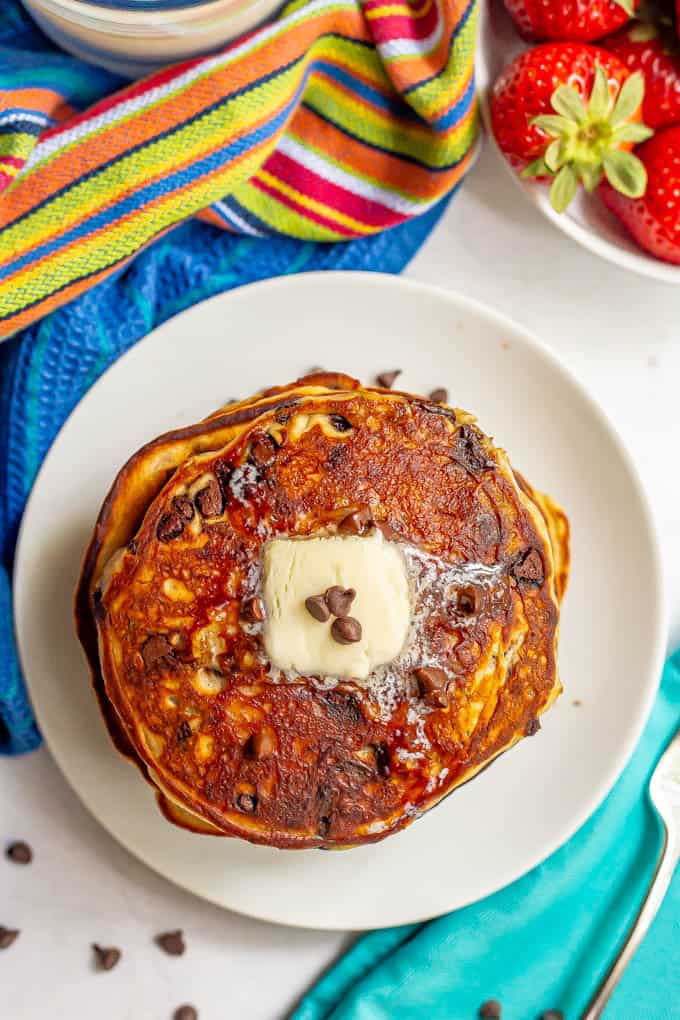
<point x="314" y="614"/>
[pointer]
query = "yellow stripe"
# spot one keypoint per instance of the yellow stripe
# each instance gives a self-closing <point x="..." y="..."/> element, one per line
<point x="400" y="10"/>
<point x="328" y="212"/>
<point x="282" y="219"/>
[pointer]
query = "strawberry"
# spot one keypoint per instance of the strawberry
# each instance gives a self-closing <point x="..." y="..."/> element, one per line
<point x="572" y="20"/>
<point x="571" y="112"/>
<point x="654" y="218"/>
<point x="655" y="52"/>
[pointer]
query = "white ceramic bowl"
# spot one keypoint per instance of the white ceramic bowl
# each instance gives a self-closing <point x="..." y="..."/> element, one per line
<point x="586" y="220"/>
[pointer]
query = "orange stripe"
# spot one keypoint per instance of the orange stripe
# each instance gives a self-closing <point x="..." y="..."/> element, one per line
<point x="41" y="100"/>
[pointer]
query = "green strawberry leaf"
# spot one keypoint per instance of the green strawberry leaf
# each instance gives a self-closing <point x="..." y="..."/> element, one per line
<point x="567" y="101"/>
<point x="600" y="101"/>
<point x="634" y="133"/>
<point x="626" y="173"/>
<point x="590" y="177"/>
<point x="628" y="6"/>
<point x="629" y="98"/>
<point x="555" y="126"/>
<point x="563" y="188"/>
<point x="536" y="169"/>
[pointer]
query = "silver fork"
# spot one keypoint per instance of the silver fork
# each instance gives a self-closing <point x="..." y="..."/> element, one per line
<point x="664" y="792"/>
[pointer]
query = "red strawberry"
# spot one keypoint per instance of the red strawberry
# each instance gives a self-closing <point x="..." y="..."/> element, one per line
<point x="655" y="52"/>
<point x="654" y="218"/>
<point x="572" y="20"/>
<point x="571" y="112"/>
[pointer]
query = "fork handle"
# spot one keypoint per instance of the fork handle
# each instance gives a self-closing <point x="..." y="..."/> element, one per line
<point x="665" y="866"/>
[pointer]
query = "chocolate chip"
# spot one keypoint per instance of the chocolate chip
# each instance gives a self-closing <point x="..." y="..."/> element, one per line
<point x="440" y="396"/>
<point x="532" y="727"/>
<point x="339" y="599"/>
<point x="184" y="507"/>
<point x="528" y="569"/>
<point x="8" y="936"/>
<point x="490" y="1010"/>
<point x="157" y="651"/>
<point x="170" y="526"/>
<point x="316" y="607"/>
<point x="466" y="602"/>
<point x="20" y="852"/>
<point x="132" y="547"/>
<point x="254" y="610"/>
<point x="185" y="1013"/>
<point x="171" y="942"/>
<point x="183" y="731"/>
<point x="106" y="956"/>
<point x="209" y="499"/>
<point x="552" y="1014"/>
<point x="262" y="452"/>
<point x="340" y="423"/>
<point x="432" y="684"/>
<point x="346" y="630"/>
<point x="382" y="759"/>
<point x="387" y="379"/>
<point x="469" y="452"/>
<point x="357" y="522"/>
<point x="223" y="473"/>
<point x="246" y="802"/>
<point x="324" y="825"/>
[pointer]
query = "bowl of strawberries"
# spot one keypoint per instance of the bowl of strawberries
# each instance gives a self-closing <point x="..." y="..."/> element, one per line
<point x="582" y="100"/>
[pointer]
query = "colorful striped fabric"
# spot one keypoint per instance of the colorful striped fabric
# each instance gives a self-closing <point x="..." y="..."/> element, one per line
<point x="338" y="120"/>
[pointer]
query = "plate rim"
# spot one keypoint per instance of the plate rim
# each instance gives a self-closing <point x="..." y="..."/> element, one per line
<point x="657" y="652"/>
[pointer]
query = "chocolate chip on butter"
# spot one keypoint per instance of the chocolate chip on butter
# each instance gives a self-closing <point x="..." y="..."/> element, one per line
<point x="316" y="607"/>
<point x="339" y="599"/>
<point x="209" y="499"/>
<point x="184" y="731"/>
<point x="528" y="569"/>
<point x="8" y="936"/>
<point x="171" y="942"/>
<point x="185" y="1012"/>
<point x="170" y="526"/>
<point x="358" y="522"/>
<point x="440" y="396"/>
<point x="19" y="852"/>
<point x="346" y="630"/>
<point x="388" y="379"/>
<point x="254" y="609"/>
<point x="184" y="507"/>
<point x="490" y="1010"/>
<point x="432" y="683"/>
<point x="106" y="957"/>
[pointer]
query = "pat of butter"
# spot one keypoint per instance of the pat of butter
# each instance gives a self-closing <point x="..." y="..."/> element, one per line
<point x="295" y="568"/>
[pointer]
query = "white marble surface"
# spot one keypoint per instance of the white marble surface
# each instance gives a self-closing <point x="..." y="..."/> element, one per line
<point x="621" y="334"/>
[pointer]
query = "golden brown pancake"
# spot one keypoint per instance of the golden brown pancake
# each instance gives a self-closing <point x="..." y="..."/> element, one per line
<point x="171" y="614"/>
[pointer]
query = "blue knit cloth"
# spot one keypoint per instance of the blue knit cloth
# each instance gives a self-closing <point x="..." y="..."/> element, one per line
<point x="45" y="370"/>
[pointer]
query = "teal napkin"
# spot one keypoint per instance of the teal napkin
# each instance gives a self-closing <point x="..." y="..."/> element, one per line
<point x="543" y="942"/>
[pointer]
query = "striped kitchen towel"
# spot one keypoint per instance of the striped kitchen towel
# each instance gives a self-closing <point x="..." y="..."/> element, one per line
<point x="336" y="121"/>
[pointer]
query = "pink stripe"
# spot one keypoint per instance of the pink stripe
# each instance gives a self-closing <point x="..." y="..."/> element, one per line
<point x="398" y="26"/>
<point x="338" y="228"/>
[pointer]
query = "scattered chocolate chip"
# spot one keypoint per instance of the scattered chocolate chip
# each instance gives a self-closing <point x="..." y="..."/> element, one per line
<point x="171" y="942"/>
<point x="432" y="684"/>
<point x="106" y="956"/>
<point x="466" y="602"/>
<point x="469" y="452"/>
<point x="552" y="1014"/>
<point x="20" y="852"/>
<point x="532" y="727"/>
<point x="440" y="395"/>
<point x="209" y="500"/>
<point x="382" y="759"/>
<point x="528" y="569"/>
<point x="340" y="423"/>
<point x="170" y="526"/>
<point x="314" y="369"/>
<point x="8" y="936"/>
<point x="490" y="1010"/>
<point x="339" y="599"/>
<point x="439" y="409"/>
<point x="356" y="523"/>
<point x="387" y="379"/>
<point x="262" y="452"/>
<point x="132" y="547"/>
<point x="157" y="651"/>
<point x="184" y="507"/>
<point x="254" y="609"/>
<point x="316" y="607"/>
<point x="223" y="473"/>
<point x="577" y="703"/>
<point x="185" y="1012"/>
<point x="246" y="802"/>
<point x="346" y="630"/>
<point x="183" y="731"/>
<point x="324" y="825"/>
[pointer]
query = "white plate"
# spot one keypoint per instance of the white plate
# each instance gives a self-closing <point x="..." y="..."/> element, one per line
<point x="587" y="220"/>
<point x="514" y="814"/>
